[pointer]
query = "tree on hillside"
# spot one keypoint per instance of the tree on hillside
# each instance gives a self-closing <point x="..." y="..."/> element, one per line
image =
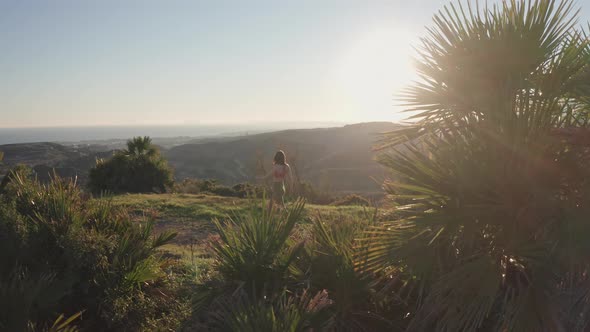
<point x="138" y="146"/>
<point x="492" y="226"/>
<point x="139" y="168"/>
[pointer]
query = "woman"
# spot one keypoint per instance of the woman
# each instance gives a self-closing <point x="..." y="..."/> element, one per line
<point x="280" y="173"/>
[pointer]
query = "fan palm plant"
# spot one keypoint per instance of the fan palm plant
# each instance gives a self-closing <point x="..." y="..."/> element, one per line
<point x="254" y="254"/>
<point x="491" y="191"/>
<point x="139" y="168"/>
<point x="285" y="313"/>
<point x="141" y="146"/>
<point x="255" y="250"/>
<point x="328" y="264"/>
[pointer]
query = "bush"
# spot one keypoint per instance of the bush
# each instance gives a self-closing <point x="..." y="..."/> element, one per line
<point x="264" y="263"/>
<point x="196" y="186"/>
<point x="254" y="255"/>
<point x="352" y="199"/>
<point x="492" y="184"/>
<point x="255" y="250"/>
<point x="21" y="171"/>
<point x="334" y="262"/>
<point x="244" y="190"/>
<point x="285" y="313"/>
<point x="188" y="186"/>
<point x="311" y="194"/>
<point x="140" y="168"/>
<point x="63" y="254"/>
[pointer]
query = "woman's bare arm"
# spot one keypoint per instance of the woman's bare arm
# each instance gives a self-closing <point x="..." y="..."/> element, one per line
<point x="264" y="177"/>
<point x="290" y="177"/>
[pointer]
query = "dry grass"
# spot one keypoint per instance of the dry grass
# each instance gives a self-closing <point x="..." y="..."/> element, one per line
<point x="191" y="216"/>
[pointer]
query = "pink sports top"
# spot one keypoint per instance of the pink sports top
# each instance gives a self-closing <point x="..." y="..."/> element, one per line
<point x="279" y="172"/>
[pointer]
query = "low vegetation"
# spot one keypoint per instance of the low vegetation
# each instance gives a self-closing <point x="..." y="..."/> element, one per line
<point x="492" y="184"/>
<point x="490" y="190"/>
<point x="139" y="168"/>
<point x="352" y="199"/>
<point x="488" y="227"/>
<point x="271" y="272"/>
<point x="64" y="255"/>
<point x="301" y="189"/>
<point x="196" y="186"/>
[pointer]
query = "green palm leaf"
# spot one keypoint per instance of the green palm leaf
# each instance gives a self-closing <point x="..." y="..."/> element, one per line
<point x="491" y="180"/>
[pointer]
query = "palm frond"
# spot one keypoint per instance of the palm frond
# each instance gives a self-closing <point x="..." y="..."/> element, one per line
<point x="252" y="248"/>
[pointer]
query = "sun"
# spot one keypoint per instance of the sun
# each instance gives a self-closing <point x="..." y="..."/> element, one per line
<point x="373" y="70"/>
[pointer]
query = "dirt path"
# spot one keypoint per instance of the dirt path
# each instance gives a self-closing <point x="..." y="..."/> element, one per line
<point x="189" y="231"/>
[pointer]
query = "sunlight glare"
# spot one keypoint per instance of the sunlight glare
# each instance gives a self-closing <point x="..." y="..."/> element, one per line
<point x="373" y="71"/>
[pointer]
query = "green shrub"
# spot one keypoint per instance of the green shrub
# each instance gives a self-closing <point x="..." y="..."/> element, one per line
<point x="244" y="190"/>
<point x="196" y="186"/>
<point x="254" y="250"/>
<point x="352" y="199"/>
<point x="284" y="313"/>
<point x="254" y="254"/>
<point x="189" y="186"/>
<point x="224" y="191"/>
<point x="63" y="254"/>
<point x="333" y="262"/>
<point x="139" y="168"/>
<point x="311" y="194"/>
<point x="263" y="261"/>
<point x="492" y="184"/>
<point x="22" y="171"/>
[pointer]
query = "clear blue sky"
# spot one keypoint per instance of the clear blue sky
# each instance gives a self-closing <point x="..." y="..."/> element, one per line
<point x="103" y="62"/>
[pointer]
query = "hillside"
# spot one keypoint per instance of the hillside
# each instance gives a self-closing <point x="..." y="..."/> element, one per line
<point x="46" y="157"/>
<point x="338" y="159"/>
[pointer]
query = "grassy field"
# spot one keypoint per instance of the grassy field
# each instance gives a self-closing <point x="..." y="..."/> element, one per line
<point x="191" y="215"/>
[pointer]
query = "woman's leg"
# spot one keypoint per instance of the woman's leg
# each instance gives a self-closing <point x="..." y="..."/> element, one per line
<point x="271" y="201"/>
<point x="277" y="195"/>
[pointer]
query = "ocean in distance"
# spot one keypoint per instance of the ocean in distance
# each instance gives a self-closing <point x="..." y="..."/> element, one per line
<point x="81" y="134"/>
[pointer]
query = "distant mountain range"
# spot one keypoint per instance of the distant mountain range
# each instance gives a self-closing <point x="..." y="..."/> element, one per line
<point x="338" y="159"/>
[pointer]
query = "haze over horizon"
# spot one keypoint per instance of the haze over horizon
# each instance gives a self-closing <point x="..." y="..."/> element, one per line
<point x="76" y="134"/>
<point x="107" y="63"/>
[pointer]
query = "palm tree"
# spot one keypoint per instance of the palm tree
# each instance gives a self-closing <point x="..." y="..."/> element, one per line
<point x="141" y="146"/>
<point x="491" y="186"/>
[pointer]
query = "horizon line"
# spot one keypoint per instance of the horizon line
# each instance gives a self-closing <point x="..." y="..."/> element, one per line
<point x="220" y="124"/>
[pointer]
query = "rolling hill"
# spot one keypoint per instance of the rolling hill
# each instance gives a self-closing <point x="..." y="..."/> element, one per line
<point x="336" y="159"/>
<point x="45" y="158"/>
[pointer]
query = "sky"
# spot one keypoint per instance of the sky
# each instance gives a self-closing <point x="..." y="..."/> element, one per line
<point x="173" y="62"/>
